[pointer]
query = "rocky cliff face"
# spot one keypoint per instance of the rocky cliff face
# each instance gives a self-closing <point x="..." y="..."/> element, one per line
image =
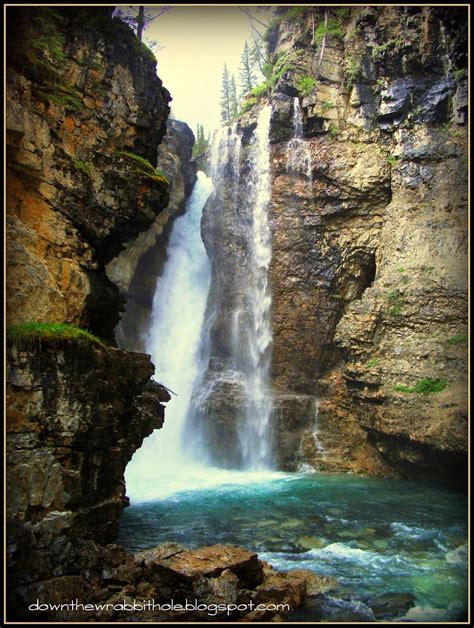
<point x="369" y="223"/>
<point x="136" y="269"/>
<point x="85" y="111"/>
<point x="77" y="413"/>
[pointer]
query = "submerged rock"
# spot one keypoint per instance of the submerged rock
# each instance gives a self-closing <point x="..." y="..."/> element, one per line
<point x="390" y="605"/>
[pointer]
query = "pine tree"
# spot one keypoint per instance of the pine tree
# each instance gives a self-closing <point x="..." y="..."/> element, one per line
<point x="202" y="142"/>
<point x="226" y="96"/>
<point x="248" y="79"/>
<point x="234" y="101"/>
<point x="139" y="18"/>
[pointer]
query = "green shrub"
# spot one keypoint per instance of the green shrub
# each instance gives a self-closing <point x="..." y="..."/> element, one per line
<point x="392" y="160"/>
<point x="51" y="331"/>
<point x="353" y="69"/>
<point x="343" y="13"/>
<point x="306" y="85"/>
<point x="333" y="132"/>
<point x="424" y="386"/>
<point x="459" y="74"/>
<point x="395" y="310"/>
<point x="380" y="49"/>
<point x="260" y="90"/>
<point x="326" y="106"/>
<point x="373" y="362"/>
<point x="332" y="29"/>
<point x="247" y="104"/>
<point x="62" y="95"/>
<point x="143" y="166"/>
<point x="295" y="12"/>
<point x="397" y="304"/>
<point x="267" y="70"/>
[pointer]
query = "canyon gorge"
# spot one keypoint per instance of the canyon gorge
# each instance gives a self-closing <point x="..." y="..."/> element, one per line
<point x="309" y="288"/>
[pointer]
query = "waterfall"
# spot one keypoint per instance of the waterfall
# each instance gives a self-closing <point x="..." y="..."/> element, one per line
<point x="171" y="460"/>
<point x="255" y="435"/>
<point x="173" y="340"/>
<point x="232" y="404"/>
<point x="298" y="156"/>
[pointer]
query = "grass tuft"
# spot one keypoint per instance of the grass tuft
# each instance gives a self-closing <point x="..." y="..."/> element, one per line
<point x="424" y="386"/>
<point x="52" y="331"/>
<point x="144" y="167"/>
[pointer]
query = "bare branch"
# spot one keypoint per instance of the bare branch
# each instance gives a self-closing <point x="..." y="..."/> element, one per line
<point x="252" y="17"/>
<point x="323" y="44"/>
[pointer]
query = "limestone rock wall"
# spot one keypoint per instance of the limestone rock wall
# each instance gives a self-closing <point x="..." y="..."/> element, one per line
<point x="81" y="91"/>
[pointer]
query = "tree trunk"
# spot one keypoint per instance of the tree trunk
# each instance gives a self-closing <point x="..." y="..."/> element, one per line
<point x="140" y="22"/>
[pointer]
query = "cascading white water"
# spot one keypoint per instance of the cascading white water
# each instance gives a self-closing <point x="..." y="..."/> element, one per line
<point x="239" y="365"/>
<point x="177" y="340"/>
<point x="255" y="435"/>
<point x="298" y="156"/>
<point x="172" y="341"/>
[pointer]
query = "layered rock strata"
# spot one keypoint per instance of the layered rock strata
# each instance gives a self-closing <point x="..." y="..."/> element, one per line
<point x="369" y="224"/>
<point x="76" y="415"/>
<point x="85" y="115"/>
<point x="219" y="583"/>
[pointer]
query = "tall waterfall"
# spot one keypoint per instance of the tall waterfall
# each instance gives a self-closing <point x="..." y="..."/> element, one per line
<point x="173" y="340"/>
<point x="255" y="436"/>
<point x="233" y="402"/>
<point x="180" y="338"/>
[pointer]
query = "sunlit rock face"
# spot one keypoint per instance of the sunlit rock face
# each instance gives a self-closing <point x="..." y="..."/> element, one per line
<point x="369" y="249"/>
<point x="73" y="198"/>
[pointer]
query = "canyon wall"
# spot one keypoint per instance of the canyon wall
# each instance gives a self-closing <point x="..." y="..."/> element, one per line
<point x="136" y="269"/>
<point x="86" y="114"/>
<point x="369" y="224"/>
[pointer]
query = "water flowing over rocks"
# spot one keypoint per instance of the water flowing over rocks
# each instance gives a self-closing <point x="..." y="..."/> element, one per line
<point x="77" y="411"/>
<point x="362" y="298"/>
<point x="136" y="269"/>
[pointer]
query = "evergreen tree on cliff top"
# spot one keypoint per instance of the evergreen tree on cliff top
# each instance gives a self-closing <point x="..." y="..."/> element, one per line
<point x="234" y="101"/>
<point x="248" y="80"/>
<point x="226" y="96"/>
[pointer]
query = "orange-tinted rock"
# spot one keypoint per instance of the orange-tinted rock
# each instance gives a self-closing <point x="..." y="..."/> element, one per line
<point x="70" y="193"/>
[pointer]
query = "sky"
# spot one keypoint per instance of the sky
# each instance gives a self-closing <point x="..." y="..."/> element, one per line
<point x="197" y="41"/>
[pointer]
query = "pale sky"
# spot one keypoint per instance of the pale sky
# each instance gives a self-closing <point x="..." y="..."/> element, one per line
<point x="197" y="41"/>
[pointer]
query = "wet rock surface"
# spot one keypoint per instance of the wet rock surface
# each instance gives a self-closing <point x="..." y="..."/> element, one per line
<point x="165" y="583"/>
<point x="136" y="270"/>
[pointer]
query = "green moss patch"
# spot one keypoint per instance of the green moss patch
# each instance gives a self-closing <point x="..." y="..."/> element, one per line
<point x="143" y="166"/>
<point x="82" y="167"/>
<point x="52" y="331"/>
<point x="424" y="386"/>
